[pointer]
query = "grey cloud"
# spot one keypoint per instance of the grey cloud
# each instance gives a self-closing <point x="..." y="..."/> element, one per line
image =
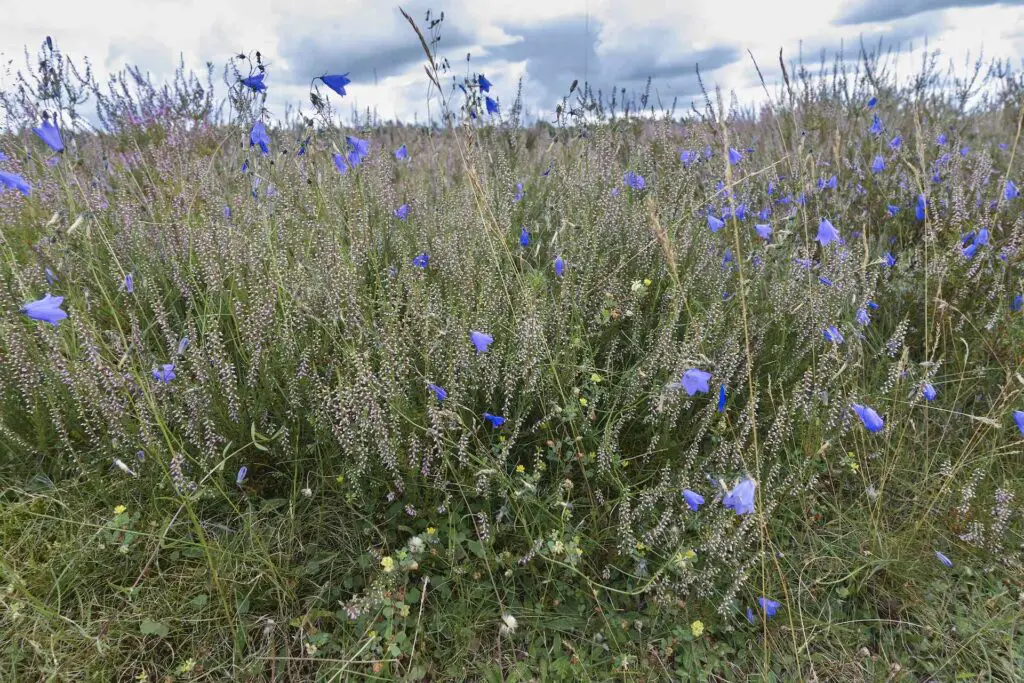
<point x="381" y="42"/>
<point x="906" y="32"/>
<point x="867" y="11"/>
<point x="558" y="52"/>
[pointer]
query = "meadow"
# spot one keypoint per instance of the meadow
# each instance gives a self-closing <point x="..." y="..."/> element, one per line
<point x="731" y="394"/>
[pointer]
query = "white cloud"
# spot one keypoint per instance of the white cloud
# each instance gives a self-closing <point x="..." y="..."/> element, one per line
<point x="545" y="42"/>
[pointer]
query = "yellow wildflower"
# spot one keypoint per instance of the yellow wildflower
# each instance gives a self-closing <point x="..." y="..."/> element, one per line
<point x="697" y="628"/>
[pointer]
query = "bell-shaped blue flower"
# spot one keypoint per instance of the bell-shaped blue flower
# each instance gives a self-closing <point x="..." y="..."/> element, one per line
<point x="634" y="180"/>
<point x="764" y="230"/>
<point x="422" y="261"/>
<point x="695" y="381"/>
<point x="49" y="134"/>
<point x="1018" y="417"/>
<point x="559" y="266"/>
<point x="402" y="212"/>
<point x="336" y="82"/>
<point x="768" y="606"/>
<point x="524" y="238"/>
<point x="47" y="309"/>
<point x="14" y="182"/>
<point x="481" y="340"/>
<point x="928" y="391"/>
<point x="827" y="232"/>
<point x="1011" y="191"/>
<point x="693" y="499"/>
<point x="878" y="165"/>
<point x="832" y="334"/>
<point x="876" y="125"/>
<point x="440" y="393"/>
<point x="485" y="85"/>
<point x="741" y="498"/>
<point x="715" y="224"/>
<point x="871" y="419"/>
<point x="495" y="420"/>
<point x="165" y="373"/>
<point x="402" y="153"/>
<point x="255" y="83"/>
<point x="240" y="477"/>
<point x="258" y="136"/>
<point x="721" y="398"/>
<point x="734" y="157"/>
<point x="492" y="106"/>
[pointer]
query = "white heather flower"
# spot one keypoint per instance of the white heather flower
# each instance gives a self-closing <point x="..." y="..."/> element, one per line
<point x="307" y="492"/>
<point x="508" y="625"/>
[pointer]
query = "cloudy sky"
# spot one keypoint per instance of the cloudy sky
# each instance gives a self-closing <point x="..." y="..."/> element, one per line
<point x="547" y="43"/>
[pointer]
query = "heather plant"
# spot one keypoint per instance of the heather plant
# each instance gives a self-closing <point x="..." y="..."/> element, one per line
<point x="626" y="393"/>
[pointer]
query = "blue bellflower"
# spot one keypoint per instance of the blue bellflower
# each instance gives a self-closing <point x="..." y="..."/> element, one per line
<point x="495" y="420"/>
<point x="876" y="125"/>
<point x="485" y="85"/>
<point x="721" y="398"/>
<point x="832" y="334"/>
<point x="336" y="82"/>
<point x="827" y="232"/>
<point x="258" y="136"/>
<point x="1018" y="417"/>
<point x="440" y="393"/>
<point x="46" y="309"/>
<point x="1011" y="191"/>
<point x="734" y="157"/>
<point x="481" y="340"/>
<point x="944" y="559"/>
<point x="492" y="106"/>
<point x="695" y="381"/>
<point x="49" y="134"/>
<point x="422" y="260"/>
<point x="693" y="499"/>
<point x="559" y="266"/>
<point x="688" y="158"/>
<point x="165" y="373"/>
<point x="878" y="165"/>
<point x="896" y="142"/>
<point x="764" y="230"/>
<point x="741" y="498"/>
<point x="14" y="182"/>
<point x="928" y="391"/>
<point x="255" y="83"/>
<point x="240" y="477"/>
<point x="524" y="238"/>
<point x="402" y="212"/>
<point x="402" y="153"/>
<point x="871" y="419"/>
<point x="768" y="606"/>
<point x="715" y="224"/>
<point x="634" y="180"/>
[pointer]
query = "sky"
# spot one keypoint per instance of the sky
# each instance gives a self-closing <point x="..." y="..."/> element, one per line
<point x="547" y="43"/>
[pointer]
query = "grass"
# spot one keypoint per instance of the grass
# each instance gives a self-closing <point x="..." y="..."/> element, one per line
<point x="381" y="533"/>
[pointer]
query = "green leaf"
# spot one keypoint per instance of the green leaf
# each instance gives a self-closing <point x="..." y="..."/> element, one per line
<point x="153" y="628"/>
